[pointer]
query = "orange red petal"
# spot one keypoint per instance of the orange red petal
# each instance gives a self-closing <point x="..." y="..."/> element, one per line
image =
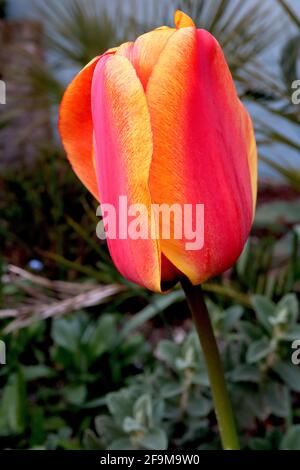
<point x="201" y="138"/>
<point x="76" y="127"/>
<point x="123" y="151"/>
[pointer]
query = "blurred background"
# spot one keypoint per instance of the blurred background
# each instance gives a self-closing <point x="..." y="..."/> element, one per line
<point x="92" y="361"/>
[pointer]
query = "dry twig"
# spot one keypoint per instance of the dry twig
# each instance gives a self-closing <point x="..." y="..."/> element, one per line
<point x="79" y="296"/>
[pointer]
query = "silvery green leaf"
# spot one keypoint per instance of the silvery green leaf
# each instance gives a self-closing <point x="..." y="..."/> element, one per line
<point x="289" y="374"/>
<point x="264" y="309"/>
<point x="123" y="443"/>
<point x="291" y="440"/>
<point x="119" y="404"/>
<point x="245" y="373"/>
<point x="131" y="425"/>
<point x="142" y="410"/>
<point x="287" y="310"/>
<point x="258" y="350"/>
<point x="154" y="439"/>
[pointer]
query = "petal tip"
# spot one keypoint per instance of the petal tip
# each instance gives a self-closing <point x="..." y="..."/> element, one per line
<point x="182" y="20"/>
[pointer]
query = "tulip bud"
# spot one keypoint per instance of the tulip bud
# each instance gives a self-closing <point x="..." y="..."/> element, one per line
<point x="159" y="121"/>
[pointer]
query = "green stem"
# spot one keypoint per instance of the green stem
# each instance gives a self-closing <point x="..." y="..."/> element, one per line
<point x="215" y="370"/>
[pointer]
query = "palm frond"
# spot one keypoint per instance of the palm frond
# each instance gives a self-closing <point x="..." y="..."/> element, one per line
<point x="290" y="12"/>
<point x="244" y="29"/>
<point x="77" y="31"/>
<point x="290" y="173"/>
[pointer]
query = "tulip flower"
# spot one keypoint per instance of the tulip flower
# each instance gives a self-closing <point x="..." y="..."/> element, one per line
<point x="159" y="121"/>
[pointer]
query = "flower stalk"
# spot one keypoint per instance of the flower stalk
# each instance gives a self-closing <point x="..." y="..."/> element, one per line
<point x="214" y="366"/>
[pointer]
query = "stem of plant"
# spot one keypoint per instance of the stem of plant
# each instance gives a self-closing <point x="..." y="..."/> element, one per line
<point x="214" y="366"/>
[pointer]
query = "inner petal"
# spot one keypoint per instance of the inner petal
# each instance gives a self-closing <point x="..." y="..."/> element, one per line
<point x="145" y="52"/>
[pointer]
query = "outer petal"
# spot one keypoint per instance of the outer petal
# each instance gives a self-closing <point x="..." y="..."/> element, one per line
<point x="252" y="158"/>
<point x="123" y="152"/>
<point x="76" y="127"/>
<point x="202" y="136"/>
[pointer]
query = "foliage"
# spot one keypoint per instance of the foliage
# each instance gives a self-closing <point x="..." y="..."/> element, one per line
<point x="45" y="386"/>
<point x="281" y="121"/>
<point x="61" y="396"/>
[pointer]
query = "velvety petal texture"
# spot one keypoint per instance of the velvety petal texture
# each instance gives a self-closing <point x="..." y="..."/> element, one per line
<point x="123" y="153"/>
<point x="202" y="145"/>
<point x="158" y="120"/>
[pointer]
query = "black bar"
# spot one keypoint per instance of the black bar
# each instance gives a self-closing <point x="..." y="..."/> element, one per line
<point x="136" y="459"/>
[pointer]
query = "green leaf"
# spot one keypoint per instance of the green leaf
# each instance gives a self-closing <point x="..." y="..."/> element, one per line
<point x="13" y="406"/>
<point x="258" y="350"/>
<point x="54" y="423"/>
<point x="91" y="441"/>
<point x="199" y="407"/>
<point x="242" y="262"/>
<point x="75" y="394"/>
<point x="120" y="405"/>
<point x="291" y="440"/>
<point x="271" y="441"/>
<point x="131" y="425"/>
<point x="158" y="304"/>
<point x="292" y="333"/>
<point x="264" y="309"/>
<point x="245" y="373"/>
<point x="37" y="372"/>
<point x="96" y="403"/>
<point x="278" y="399"/>
<point x="200" y="378"/>
<point x="168" y="351"/>
<point x="103" y="336"/>
<point x="259" y="443"/>
<point x="37" y="432"/>
<point x="250" y="331"/>
<point x="256" y="403"/>
<point x="171" y="390"/>
<point x="231" y="316"/>
<point x="142" y="410"/>
<point x="107" y="429"/>
<point x="66" y="333"/>
<point x="289" y="374"/>
<point x="287" y="310"/>
<point x="154" y="439"/>
<point x="123" y="443"/>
